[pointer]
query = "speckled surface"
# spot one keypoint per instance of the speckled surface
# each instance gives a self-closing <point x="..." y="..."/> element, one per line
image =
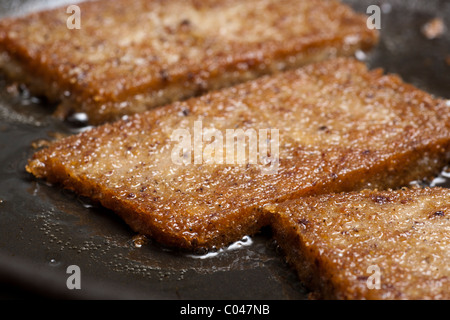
<point x="49" y="229"/>
<point x="404" y="234"/>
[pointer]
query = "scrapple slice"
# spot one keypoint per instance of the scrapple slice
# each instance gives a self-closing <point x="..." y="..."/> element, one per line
<point x="130" y="56"/>
<point x="369" y="245"/>
<point x="340" y="128"/>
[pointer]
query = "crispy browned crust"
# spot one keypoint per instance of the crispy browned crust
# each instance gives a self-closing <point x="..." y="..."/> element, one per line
<point x="341" y="128"/>
<point x="130" y="56"/>
<point x="332" y="240"/>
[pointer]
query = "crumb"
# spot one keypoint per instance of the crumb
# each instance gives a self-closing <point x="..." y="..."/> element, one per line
<point x="313" y="296"/>
<point x="37" y="144"/>
<point x="434" y="28"/>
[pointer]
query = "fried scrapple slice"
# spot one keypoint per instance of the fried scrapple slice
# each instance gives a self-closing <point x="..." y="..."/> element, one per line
<point x="340" y="127"/>
<point x="130" y="56"/>
<point x="340" y="243"/>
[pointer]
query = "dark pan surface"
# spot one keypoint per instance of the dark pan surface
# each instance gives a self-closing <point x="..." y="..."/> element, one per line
<point x="45" y="229"/>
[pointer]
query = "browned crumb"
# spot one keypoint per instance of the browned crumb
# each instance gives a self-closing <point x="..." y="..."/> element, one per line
<point x="434" y="28"/>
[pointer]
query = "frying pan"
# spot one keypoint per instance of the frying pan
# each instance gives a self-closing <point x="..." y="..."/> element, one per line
<point x="45" y="229"/>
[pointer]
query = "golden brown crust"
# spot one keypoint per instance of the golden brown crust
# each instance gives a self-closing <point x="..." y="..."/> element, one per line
<point x="338" y="242"/>
<point x="130" y="56"/>
<point x="341" y="128"/>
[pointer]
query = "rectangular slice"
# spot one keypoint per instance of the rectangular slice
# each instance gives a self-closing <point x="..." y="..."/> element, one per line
<point x="336" y="125"/>
<point x="131" y="56"/>
<point x="369" y="245"/>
